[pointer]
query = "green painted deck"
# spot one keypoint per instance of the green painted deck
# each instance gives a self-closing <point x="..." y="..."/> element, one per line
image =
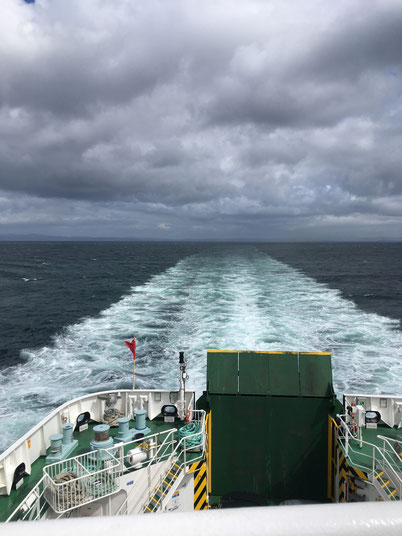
<point x="362" y="458"/>
<point x="9" y="503"/>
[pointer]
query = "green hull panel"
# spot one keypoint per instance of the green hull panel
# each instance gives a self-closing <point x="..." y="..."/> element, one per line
<point x="271" y="446"/>
<point x="269" y="413"/>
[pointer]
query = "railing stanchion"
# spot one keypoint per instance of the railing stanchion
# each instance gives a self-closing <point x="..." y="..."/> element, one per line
<point x="373" y="470"/>
<point x="96" y="475"/>
<point x="389" y="461"/>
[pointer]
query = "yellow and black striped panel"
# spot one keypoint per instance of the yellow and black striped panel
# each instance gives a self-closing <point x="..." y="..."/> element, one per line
<point x="196" y="466"/>
<point x="341" y="475"/>
<point x="200" y="485"/>
<point x="332" y="458"/>
<point x="347" y="474"/>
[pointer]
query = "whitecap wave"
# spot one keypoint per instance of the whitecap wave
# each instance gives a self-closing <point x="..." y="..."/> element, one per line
<point x="243" y="300"/>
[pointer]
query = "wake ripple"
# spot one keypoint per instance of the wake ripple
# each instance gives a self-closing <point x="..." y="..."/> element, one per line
<point x="244" y="301"/>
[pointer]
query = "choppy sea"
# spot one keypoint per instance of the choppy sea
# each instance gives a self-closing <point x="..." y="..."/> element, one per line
<point x="66" y="307"/>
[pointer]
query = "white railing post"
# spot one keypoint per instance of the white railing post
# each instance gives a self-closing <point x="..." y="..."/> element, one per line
<point x="121" y="456"/>
<point x="66" y="496"/>
<point x="374" y="464"/>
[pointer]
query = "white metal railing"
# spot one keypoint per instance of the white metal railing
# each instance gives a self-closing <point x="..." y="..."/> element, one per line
<point x="33" y="506"/>
<point x="38" y="436"/>
<point x="168" y="453"/>
<point x="377" y="461"/>
<point x="150" y="443"/>
<point x="35" y="503"/>
<point x="159" y="456"/>
<point x="351" y="519"/>
<point x="154" y="482"/>
<point x="393" y="451"/>
<point x="182" y="449"/>
<point x="81" y="480"/>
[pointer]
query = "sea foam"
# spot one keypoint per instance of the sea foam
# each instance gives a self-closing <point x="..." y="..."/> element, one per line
<point x="234" y="301"/>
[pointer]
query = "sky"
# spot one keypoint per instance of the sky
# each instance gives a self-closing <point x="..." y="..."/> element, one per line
<point x="180" y="119"/>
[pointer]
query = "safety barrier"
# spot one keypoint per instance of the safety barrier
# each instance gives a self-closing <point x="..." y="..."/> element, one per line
<point x="81" y="480"/>
<point x="384" y="475"/>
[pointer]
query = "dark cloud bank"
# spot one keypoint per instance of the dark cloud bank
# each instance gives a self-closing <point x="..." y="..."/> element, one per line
<point x="261" y="120"/>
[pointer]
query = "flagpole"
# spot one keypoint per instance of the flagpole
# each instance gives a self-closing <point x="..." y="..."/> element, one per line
<point x="134" y="364"/>
<point x="132" y="346"/>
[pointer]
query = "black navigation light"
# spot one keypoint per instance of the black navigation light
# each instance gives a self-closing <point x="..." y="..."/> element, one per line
<point x="181" y="358"/>
<point x="372" y="417"/>
<point x="169" y="410"/>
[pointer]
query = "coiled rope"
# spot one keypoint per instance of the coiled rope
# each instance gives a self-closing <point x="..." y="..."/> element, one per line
<point x="189" y="430"/>
<point x="71" y="493"/>
<point x="111" y="415"/>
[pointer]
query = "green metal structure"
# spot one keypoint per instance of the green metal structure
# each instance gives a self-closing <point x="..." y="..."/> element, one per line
<point x="269" y="423"/>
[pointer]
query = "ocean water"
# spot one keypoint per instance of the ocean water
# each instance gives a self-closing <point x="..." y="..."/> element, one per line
<point x="66" y="308"/>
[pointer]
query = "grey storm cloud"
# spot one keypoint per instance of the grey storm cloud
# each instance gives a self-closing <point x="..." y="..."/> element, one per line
<point x="254" y="119"/>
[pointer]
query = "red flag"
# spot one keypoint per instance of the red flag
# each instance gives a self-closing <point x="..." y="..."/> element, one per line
<point x="131" y="345"/>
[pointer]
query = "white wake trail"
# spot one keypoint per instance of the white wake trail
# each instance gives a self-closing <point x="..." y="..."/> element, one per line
<point x="240" y="300"/>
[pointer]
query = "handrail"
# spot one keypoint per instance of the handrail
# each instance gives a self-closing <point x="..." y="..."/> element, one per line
<point x="374" y="472"/>
<point x="159" y="455"/>
<point x="172" y="490"/>
<point x="375" y="449"/>
<point x="139" y="442"/>
<point x="157" y="482"/>
<point x="50" y="467"/>
<point x="181" y="467"/>
<point x="392" y="447"/>
<point x="157" y="476"/>
<point x="345" y="426"/>
<point x="174" y="455"/>
<point x="96" y="477"/>
<point x="150" y="462"/>
<point x="38" y="496"/>
<point x="48" y="470"/>
<point x="184" y="450"/>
